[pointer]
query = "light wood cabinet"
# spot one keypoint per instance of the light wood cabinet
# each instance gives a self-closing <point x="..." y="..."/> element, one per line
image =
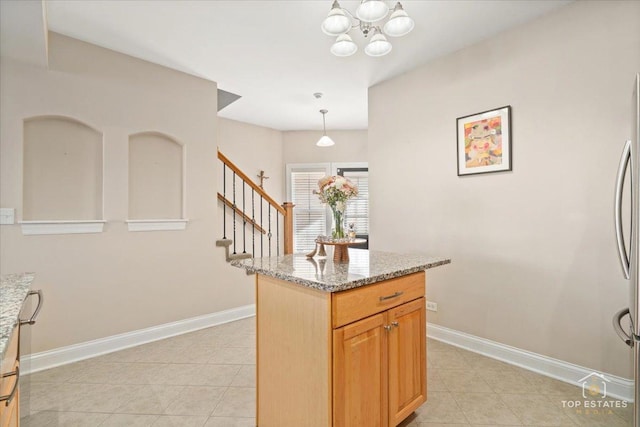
<point x="9" y="407"/>
<point x="407" y="359"/>
<point x="379" y="367"/>
<point x="346" y="359"/>
<point x="360" y="373"/>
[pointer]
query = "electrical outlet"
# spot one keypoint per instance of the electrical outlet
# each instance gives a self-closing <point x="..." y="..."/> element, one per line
<point x="7" y="216"/>
<point x="432" y="306"/>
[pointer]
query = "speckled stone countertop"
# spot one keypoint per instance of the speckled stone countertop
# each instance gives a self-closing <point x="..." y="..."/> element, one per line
<point x="364" y="268"/>
<point x="13" y="291"/>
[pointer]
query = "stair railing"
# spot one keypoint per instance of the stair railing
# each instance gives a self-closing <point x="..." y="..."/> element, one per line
<point x="276" y="214"/>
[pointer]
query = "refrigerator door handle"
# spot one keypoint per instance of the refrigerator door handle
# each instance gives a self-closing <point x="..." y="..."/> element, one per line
<point x="622" y="169"/>
<point x="628" y="340"/>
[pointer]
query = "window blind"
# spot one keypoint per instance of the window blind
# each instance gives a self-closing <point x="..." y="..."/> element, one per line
<point x="309" y="215"/>
<point x="358" y="207"/>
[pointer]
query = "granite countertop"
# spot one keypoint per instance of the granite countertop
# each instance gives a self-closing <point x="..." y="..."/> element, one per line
<point x="364" y="268"/>
<point x="13" y="291"/>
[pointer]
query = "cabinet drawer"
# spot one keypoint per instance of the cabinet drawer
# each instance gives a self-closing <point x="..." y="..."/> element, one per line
<point x="355" y="304"/>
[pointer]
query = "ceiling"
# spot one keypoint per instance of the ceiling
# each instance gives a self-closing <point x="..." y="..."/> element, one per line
<point x="273" y="53"/>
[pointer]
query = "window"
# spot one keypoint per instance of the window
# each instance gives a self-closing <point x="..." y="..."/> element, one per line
<point x="358" y="207"/>
<point x="309" y="215"/>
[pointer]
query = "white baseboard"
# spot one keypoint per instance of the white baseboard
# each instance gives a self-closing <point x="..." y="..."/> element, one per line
<point x="61" y="356"/>
<point x="620" y="388"/>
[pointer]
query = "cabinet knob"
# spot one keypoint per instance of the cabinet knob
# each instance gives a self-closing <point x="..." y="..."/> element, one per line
<point x="387" y="327"/>
<point x="395" y="324"/>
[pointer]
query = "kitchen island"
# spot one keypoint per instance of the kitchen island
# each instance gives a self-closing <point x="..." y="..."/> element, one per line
<point x="340" y="344"/>
<point x="14" y="288"/>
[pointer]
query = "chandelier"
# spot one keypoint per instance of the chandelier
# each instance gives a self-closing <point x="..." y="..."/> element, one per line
<point x="371" y="19"/>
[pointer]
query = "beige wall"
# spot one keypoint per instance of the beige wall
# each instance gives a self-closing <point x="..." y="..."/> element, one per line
<point x="534" y="259"/>
<point x="300" y="147"/>
<point x="97" y="285"/>
<point x="254" y="148"/>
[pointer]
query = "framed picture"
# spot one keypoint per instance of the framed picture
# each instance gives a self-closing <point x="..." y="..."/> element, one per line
<point x="484" y="142"/>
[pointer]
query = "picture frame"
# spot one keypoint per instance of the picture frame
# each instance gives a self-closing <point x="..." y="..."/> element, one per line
<point x="484" y="142"/>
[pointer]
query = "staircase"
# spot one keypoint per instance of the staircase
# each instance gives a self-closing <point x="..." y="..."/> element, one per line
<point x="253" y="223"/>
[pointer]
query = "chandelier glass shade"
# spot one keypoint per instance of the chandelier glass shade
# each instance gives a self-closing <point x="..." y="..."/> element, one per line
<point x="372" y="10"/>
<point x="344" y="46"/>
<point x="371" y="18"/>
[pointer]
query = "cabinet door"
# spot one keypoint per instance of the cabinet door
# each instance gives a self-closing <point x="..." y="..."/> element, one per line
<point x="360" y="374"/>
<point x="9" y="364"/>
<point x="407" y="359"/>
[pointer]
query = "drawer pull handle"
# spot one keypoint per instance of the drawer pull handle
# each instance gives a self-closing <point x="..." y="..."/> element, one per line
<point x="395" y="295"/>
<point x="9" y="397"/>
<point x="34" y="316"/>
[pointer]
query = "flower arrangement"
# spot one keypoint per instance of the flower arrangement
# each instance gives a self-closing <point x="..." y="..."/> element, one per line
<point x="335" y="191"/>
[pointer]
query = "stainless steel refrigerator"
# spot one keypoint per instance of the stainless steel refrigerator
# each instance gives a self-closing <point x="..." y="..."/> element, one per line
<point x="630" y="260"/>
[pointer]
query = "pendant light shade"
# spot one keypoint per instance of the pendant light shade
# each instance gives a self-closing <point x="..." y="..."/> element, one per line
<point x="378" y="46"/>
<point x="399" y="24"/>
<point x="344" y="46"/>
<point x="372" y="10"/>
<point x="337" y="22"/>
<point x="324" y="141"/>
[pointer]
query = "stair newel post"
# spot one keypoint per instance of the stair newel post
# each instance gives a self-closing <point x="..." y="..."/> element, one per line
<point x="261" y="234"/>
<point x="288" y="227"/>
<point x="234" y="213"/>
<point x="244" y="221"/>
<point x="224" y="206"/>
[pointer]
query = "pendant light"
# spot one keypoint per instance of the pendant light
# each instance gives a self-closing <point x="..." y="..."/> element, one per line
<point x="325" y="141"/>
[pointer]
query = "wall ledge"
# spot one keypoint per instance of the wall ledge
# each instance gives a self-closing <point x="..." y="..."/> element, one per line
<point x="156" y="224"/>
<point x="32" y="228"/>
<point x="35" y="362"/>
<point x="618" y="387"/>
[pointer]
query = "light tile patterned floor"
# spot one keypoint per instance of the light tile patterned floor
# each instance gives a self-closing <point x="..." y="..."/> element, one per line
<point x="207" y="379"/>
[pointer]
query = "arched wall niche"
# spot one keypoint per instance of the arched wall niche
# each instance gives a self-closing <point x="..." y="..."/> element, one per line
<point x="62" y="173"/>
<point x="156" y="182"/>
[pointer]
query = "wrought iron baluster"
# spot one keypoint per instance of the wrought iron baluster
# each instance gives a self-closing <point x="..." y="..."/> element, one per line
<point x="234" y="213"/>
<point x="269" y="235"/>
<point x="224" y="205"/>
<point x="244" y="221"/>
<point x="261" y="234"/>
<point x="277" y="234"/>
<point x="253" y="219"/>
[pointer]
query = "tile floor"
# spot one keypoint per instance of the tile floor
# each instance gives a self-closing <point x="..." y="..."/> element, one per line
<point x="207" y="379"/>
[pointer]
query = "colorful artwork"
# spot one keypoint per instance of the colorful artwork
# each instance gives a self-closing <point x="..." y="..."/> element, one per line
<point x="483" y="142"/>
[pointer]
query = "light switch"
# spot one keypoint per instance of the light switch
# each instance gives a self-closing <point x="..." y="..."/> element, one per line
<point x="7" y="216"/>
